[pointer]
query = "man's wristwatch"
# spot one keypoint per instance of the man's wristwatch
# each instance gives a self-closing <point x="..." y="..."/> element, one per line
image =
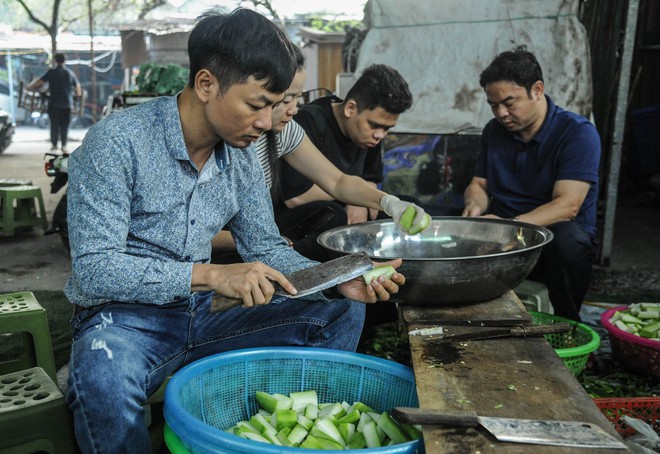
<point x="332" y="293"/>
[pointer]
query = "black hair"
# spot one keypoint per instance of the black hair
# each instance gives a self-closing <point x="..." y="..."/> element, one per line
<point x="238" y="45"/>
<point x="381" y="86"/>
<point x="518" y="66"/>
<point x="271" y="141"/>
<point x="299" y="58"/>
<point x="59" y="58"/>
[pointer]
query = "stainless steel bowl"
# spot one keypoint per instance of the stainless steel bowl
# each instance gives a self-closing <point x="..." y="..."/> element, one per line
<point x="457" y="260"/>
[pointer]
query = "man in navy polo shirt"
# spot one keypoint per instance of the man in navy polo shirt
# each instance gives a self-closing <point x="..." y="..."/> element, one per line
<point x="539" y="164"/>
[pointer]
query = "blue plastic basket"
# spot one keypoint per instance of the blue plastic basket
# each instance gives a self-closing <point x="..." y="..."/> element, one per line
<point x="207" y="397"/>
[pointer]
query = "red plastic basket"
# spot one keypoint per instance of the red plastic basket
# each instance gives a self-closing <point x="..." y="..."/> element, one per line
<point x="636" y="353"/>
<point x="645" y="408"/>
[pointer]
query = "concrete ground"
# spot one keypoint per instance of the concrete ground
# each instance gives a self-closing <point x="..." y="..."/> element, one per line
<point x="32" y="261"/>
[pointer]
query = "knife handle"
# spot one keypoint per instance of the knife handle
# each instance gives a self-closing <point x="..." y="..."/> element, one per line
<point x="224" y="303"/>
<point x="432" y="417"/>
<point x="539" y="330"/>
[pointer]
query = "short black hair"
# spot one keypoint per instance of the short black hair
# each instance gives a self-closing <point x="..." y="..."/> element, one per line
<point x="381" y="86"/>
<point x="300" y="57"/>
<point x="518" y="66"/>
<point x="59" y="59"/>
<point x="238" y="45"/>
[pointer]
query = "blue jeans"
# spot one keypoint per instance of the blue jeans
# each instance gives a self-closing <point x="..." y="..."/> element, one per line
<point x="122" y="353"/>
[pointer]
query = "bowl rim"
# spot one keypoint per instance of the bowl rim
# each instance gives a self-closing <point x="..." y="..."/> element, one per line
<point x="547" y="234"/>
<point x="617" y="332"/>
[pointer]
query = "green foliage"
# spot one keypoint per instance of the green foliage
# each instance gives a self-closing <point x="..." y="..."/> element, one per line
<point x="618" y="383"/>
<point x="328" y="25"/>
<point x="387" y="341"/>
<point x="161" y="79"/>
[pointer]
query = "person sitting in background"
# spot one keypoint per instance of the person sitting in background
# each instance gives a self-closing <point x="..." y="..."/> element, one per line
<point x="287" y="140"/>
<point x="348" y="133"/>
<point x="148" y="189"/>
<point x="63" y="85"/>
<point x="539" y="164"/>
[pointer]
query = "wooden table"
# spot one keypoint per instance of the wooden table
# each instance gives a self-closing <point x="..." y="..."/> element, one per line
<point x="505" y="377"/>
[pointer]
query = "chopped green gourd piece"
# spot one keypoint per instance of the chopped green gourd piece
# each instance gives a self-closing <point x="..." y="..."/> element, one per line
<point x="407" y="218"/>
<point x="297" y="434"/>
<point x="426" y="220"/>
<point x="346" y="430"/>
<point x="306" y="422"/>
<point x="362" y="408"/>
<point x="244" y="426"/>
<point x="272" y="438"/>
<point x="285" y="418"/>
<point x="262" y="425"/>
<point x="648" y="314"/>
<point x="272" y="402"/>
<point x="336" y="410"/>
<point x="357" y="441"/>
<point x="256" y="437"/>
<point x="311" y="411"/>
<point x="283" y="436"/>
<point x="391" y="428"/>
<point x="412" y="432"/>
<point x="364" y="418"/>
<point x="303" y="398"/>
<point x="312" y="442"/>
<point x="375" y="273"/>
<point x="353" y="416"/>
<point x="371" y="435"/>
<point x="650" y="331"/>
<point x="324" y="428"/>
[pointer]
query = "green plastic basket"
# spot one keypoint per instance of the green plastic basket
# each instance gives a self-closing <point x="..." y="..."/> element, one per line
<point x="207" y="397"/>
<point x="574" y="346"/>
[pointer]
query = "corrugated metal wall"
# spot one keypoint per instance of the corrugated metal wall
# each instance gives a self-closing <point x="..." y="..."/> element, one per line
<point x="605" y="22"/>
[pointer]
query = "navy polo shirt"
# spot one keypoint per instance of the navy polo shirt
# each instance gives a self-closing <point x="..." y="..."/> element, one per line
<point x="521" y="176"/>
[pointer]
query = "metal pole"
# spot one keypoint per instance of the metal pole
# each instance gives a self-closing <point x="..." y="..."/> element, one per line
<point x="10" y="81"/>
<point x="617" y="133"/>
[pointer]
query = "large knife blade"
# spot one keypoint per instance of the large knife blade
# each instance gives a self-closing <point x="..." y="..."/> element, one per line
<point x="534" y="431"/>
<point x="311" y="280"/>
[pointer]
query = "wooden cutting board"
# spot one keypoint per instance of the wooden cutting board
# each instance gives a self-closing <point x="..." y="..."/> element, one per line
<point x="506" y="310"/>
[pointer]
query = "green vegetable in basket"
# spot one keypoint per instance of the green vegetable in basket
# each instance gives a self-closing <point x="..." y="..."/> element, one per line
<point x="640" y="319"/>
<point x="303" y="422"/>
<point x="302" y="399"/>
<point x="273" y="402"/>
<point x="285" y="418"/>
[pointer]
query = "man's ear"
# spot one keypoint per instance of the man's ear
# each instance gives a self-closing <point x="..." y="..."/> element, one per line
<point x="350" y="108"/>
<point x="538" y="89"/>
<point x="204" y="82"/>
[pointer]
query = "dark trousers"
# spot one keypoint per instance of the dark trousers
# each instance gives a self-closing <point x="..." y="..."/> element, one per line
<point x="59" y="125"/>
<point x="565" y="268"/>
<point x="303" y="224"/>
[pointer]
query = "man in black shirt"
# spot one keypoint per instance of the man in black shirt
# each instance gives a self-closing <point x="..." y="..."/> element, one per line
<point x="349" y="134"/>
<point x="62" y="85"/>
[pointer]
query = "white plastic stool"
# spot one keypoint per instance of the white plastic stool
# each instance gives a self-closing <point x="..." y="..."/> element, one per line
<point x="534" y="295"/>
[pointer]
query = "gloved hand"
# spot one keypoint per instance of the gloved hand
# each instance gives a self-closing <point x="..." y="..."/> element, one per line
<point x="407" y="216"/>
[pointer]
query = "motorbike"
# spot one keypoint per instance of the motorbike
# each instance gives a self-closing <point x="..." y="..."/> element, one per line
<point x="56" y="166"/>
<point x="7" y="128"/>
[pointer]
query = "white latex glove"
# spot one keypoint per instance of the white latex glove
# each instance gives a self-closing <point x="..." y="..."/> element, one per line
<point x="395" y="208"/>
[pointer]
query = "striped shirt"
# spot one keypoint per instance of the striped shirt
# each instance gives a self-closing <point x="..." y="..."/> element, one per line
<point x="287" y="141"/>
